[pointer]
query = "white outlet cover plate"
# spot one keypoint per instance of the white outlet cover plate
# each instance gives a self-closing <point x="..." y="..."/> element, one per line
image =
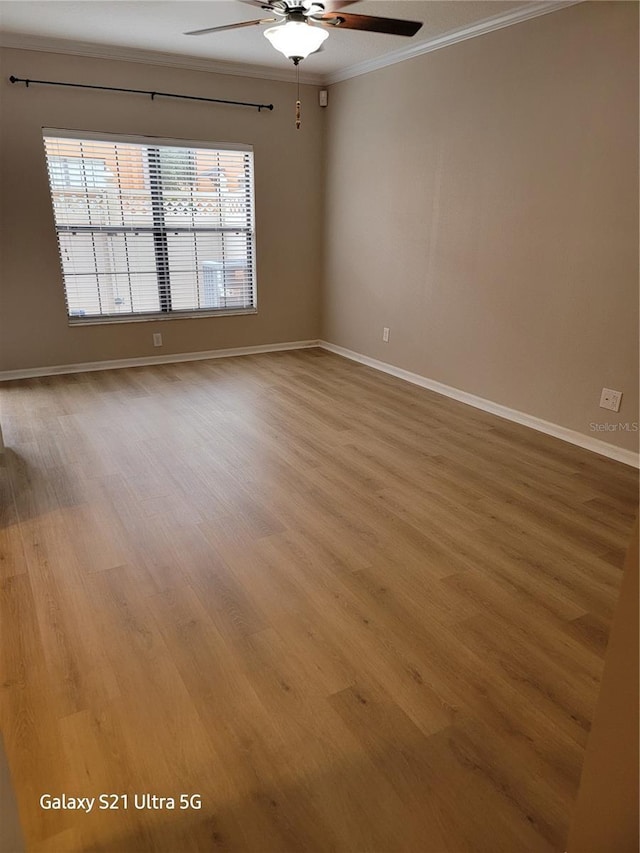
<point x="610" y="399"/>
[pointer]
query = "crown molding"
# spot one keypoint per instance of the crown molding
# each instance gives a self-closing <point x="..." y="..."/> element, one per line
<point x="525" y="12"/>
<point x="19" y="41"/>
<point x="496" y="22"/>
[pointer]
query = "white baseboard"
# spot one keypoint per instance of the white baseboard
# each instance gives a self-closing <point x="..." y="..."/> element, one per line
<point x="628" y="457"/>
<point x="84" y="367"/>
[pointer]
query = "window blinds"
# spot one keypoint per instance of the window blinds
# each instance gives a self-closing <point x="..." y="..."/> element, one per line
<point x="152" y="228"/>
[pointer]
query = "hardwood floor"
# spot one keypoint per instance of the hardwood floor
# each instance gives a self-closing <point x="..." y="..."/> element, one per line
<point x="348" y="613"/>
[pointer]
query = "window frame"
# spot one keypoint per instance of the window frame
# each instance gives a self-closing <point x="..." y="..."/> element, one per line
<point x="166" y="312"/>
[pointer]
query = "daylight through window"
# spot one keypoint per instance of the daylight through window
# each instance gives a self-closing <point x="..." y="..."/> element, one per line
<point x="152" y="227"/>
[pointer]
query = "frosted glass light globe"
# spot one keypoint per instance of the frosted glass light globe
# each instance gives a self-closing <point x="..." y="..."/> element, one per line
<point x="296" y="39"/>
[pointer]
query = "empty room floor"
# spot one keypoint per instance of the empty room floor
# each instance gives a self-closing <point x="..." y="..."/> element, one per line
<point x="346" y="613"/>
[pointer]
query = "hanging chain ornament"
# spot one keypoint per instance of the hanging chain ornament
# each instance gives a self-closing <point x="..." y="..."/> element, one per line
<point x="298" y="122"/>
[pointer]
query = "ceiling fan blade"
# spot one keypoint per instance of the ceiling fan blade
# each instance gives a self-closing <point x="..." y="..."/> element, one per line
<point x="318" y="7"/>
<point x="229" y="27"/>
<point x="309" y="7"/>
<point x="347" y="21"/>
<point x="278" y="6"/>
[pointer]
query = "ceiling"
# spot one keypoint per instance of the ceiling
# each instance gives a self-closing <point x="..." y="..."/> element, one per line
<point x="120" y="28"/>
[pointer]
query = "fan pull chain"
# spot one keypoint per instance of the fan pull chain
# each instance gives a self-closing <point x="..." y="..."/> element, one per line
<point x="298" y="122"/>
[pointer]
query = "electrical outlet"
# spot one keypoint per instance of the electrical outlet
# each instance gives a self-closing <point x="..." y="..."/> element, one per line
<point x="385" y="334"/>
<point x="157" y="339"/>
<point x="610" y="399"/>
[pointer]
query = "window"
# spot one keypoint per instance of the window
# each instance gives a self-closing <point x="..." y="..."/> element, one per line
<point x="152" y="228"/>
<point x="77" y="172"/>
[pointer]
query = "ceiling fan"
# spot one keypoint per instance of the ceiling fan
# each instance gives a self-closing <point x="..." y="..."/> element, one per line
<point x="302" y="25"/>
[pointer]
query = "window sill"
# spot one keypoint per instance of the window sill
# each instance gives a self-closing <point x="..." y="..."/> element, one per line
<point x="146" y="318"/>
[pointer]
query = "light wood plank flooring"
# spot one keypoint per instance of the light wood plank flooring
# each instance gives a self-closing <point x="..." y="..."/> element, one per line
<point x="350" y="614"/>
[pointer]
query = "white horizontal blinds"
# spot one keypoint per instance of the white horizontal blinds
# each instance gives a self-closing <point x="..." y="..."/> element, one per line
<point x="147" y="228"/>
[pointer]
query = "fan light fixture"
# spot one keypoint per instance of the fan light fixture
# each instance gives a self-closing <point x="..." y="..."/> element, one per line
<point x="296" y="39"/>
<point x="303" y="30"/>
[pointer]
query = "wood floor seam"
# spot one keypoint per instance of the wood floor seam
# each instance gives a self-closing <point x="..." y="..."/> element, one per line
<point x="348" y="613"/>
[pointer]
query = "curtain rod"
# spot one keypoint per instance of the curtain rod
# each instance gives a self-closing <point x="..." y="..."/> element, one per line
<point x="153" y="95"/>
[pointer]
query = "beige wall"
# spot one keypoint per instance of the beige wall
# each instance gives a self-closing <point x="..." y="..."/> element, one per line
<point x="482" y="202"/>
<point x="33" y="324"/>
